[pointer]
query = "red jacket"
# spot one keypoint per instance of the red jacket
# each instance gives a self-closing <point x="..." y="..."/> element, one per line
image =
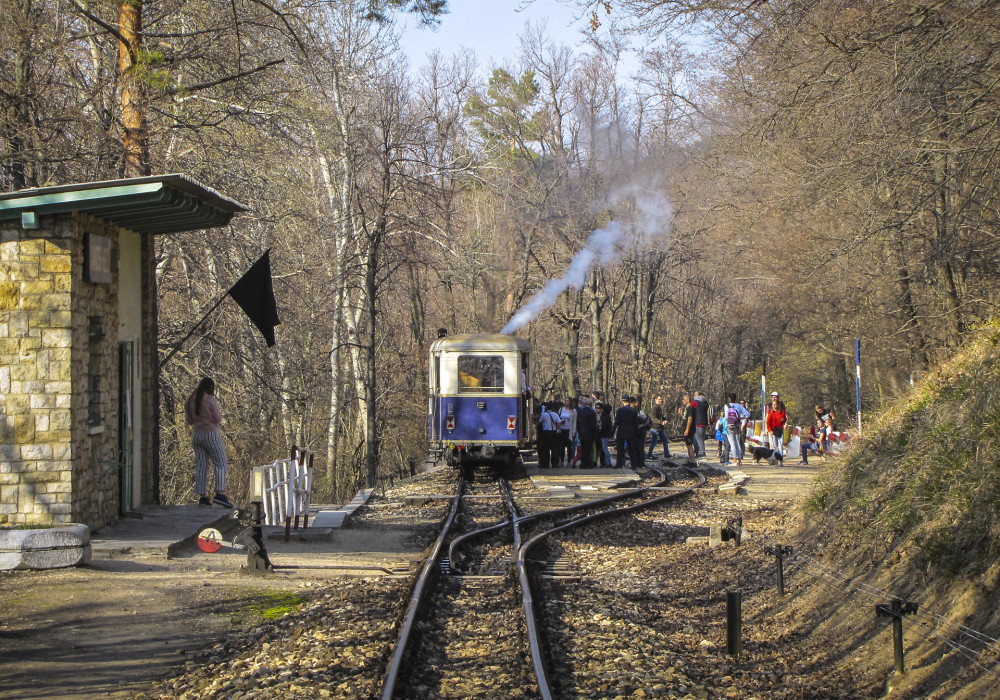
<point x="776" y="419"/>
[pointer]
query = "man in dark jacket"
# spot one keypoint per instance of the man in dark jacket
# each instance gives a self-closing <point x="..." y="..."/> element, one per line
<point x="586" y="429"/>
<point x="659" y="430"/>
<point x="626" y="435"/>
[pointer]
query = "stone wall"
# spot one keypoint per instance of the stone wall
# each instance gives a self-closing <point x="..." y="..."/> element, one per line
<point x="95" y="356"/>
<point x="58" y="377"/>
<point x="36" y="319"/>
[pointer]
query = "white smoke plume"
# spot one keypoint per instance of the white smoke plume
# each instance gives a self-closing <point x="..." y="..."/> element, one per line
<point x="604" y="246"/>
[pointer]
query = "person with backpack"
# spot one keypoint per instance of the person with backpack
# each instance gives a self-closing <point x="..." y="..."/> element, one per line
<point x="642" y="428"/>
<point x="720" y="438"/>
<point x="734" y="416"/>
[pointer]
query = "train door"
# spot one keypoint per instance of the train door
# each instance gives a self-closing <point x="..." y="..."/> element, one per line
<point x="433" y="399"/>
<point x="527" y="422"/>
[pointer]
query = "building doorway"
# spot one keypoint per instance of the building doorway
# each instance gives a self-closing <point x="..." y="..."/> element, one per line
<point x="126" y="401"/>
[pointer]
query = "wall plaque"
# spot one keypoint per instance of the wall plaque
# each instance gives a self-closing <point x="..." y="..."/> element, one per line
<point x="96" y="259"/>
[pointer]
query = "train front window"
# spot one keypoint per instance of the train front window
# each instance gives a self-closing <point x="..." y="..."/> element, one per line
<point x="480" y="374"/>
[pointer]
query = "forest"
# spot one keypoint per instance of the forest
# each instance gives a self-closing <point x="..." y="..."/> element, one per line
<point x="815" y="172"/>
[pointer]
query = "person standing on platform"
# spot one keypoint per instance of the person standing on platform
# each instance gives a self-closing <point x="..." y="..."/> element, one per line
<point x="626" y="431"/>
<point x="565" y="425"/>
<point x="642" y="427"/>
<point x="659" y="429"/>
<point x="587" y="431"/>
<point x="687" y="413"/>
<point x="202" y="413"/>
<point x="606" y="422"/>
<point x="735" y="416"/>
<point x="700" y="423"/>
<point x="743" y="431"/>
<point x="548" y="424"/>
<point x="777" y="417"/>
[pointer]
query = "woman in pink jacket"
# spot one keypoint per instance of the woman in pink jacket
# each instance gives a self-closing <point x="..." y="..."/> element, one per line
<point x="203" y="414"/>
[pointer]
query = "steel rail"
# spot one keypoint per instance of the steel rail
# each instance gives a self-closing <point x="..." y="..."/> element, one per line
<point x="556" y="512"/>
<point x="527" y="599"/>
<point x="458" y="541"/>
<point x="524" y="578"/>
<point x="416" y="600"/>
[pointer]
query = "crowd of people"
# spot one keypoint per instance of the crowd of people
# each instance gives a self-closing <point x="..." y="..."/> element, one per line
<point x="579" y="431"/>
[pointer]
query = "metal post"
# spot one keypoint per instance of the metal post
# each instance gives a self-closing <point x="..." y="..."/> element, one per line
<point x="857" y="380"/>
<point x="763" y="398"/>
<point x="896" y="609"/>
<point x="734" y="622"/>
<point x="781" y="575"/>
<point x="897" y="640"/>
<point x="780" y="552"/>
<point x="257" y="560"/>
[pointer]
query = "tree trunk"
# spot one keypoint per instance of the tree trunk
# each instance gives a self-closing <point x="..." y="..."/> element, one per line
<point x="908" y="309"/>
<point x="134" y="137"/>
<point x="19" y="130"/>
<point x="371" y="435"/>
<point x="596" y="339"/>
<point x="571" y="353"/>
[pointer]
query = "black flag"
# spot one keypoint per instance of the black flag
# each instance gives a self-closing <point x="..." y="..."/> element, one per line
<point x="255" y="295"/>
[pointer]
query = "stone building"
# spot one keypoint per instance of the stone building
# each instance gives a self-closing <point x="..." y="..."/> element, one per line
<point x="78" y="356"/>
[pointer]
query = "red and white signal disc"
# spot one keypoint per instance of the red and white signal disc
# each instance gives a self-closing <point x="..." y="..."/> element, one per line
<point x="210" y="540"/>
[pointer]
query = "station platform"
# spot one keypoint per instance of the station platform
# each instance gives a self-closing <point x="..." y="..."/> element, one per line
<point x="162" y="531"/>
<point x="764" y="482"/>
<point x="564" y="483"/>
<point x="168" y="531"/>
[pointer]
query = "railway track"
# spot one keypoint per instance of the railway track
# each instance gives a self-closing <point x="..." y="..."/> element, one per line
<point x="462" y="635"/>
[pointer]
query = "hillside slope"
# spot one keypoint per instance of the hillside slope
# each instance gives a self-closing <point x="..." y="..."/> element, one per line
<point x="913" y="510"/>
<point x="922" y="483"/>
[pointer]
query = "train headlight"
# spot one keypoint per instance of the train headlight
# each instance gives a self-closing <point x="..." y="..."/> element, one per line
<point x="489" y="450"/>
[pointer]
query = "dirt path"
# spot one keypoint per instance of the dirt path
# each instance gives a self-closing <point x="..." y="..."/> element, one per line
<point x="109" y="628"/>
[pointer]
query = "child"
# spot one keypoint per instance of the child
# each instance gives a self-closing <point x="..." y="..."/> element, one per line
<point x="719" y="437"/>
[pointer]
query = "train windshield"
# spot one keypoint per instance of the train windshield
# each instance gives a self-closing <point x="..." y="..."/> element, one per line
<point x="480" y="373"/>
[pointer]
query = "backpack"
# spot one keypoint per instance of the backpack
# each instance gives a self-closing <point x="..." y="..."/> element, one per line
<point x="644" y="422"/>
<point x="732" y="416"/>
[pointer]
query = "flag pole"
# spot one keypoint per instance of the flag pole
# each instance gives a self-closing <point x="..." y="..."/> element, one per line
<point x="763" y="398"/>
<point x="183" y="340"/>
<point x="857" y="380"/>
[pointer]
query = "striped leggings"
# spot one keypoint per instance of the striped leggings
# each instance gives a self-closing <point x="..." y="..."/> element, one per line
<point x="208" y="445"/>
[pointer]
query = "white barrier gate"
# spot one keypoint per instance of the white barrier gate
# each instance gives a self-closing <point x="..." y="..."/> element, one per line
<point x="287" y="486"/>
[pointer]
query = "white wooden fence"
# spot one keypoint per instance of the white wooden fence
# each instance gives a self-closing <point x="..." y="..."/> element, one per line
<point x="287" y="485"/>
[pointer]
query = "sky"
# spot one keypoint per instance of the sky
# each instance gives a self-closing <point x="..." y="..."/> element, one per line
<point x="491" y="29"/>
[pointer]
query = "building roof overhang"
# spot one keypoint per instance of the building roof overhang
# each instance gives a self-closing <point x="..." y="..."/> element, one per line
<point x="147" y="205"/>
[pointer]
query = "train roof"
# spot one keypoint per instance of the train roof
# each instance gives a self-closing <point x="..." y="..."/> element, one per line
<point x="480" y="342"/>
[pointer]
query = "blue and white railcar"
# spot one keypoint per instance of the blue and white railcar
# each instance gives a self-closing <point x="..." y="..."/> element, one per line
<point x="479" y="404"/>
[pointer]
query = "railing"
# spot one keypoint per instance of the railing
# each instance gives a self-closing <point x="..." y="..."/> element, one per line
<point x="287" y="485"/>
